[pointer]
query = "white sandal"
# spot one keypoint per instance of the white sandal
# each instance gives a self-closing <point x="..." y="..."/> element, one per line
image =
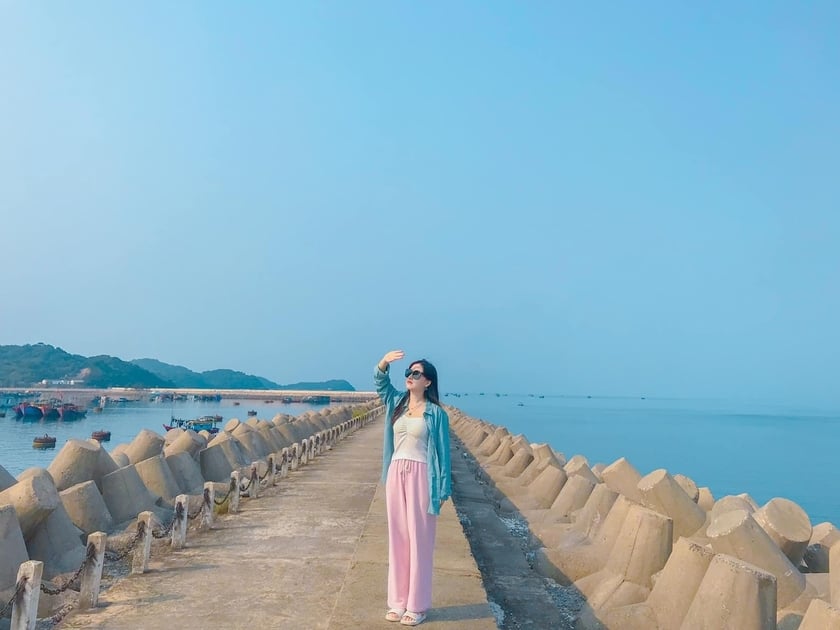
<point x="394" y="614"/>
<point x="413" y="618"/>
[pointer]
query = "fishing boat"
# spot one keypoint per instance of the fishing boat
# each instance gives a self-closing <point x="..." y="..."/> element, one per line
<point x="28" y="410"/>
<point x="102" y="435"/>
<point x="44" y="441"/>
<point x="252" y="412"/>
<point x="71" y="411"/>
<point x="316" y="400"/>
<point x="204" y="423"/>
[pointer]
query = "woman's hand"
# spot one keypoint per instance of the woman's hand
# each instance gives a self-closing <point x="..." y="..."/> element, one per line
<point x="390" y="357"/>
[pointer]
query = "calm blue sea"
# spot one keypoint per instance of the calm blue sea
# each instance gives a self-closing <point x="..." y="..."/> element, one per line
<point x="765" y="451"/>
<point x="124" y="420"/>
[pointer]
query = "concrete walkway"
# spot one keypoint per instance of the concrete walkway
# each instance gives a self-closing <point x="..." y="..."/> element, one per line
<point x="309" y="553"/>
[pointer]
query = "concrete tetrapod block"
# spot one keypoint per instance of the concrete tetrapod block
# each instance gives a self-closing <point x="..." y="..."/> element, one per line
<point x="543" y="458"/>
<point x="172" y="435"/>
<point x="662" y="493"/>
<point x="34" y="498"/>
<point x="118" y="449"/>
<point x="187" y="472"/>
<point x="729" y="503"/>
<point x="145" y="444"/>
<point x="820" y="616"/>
<point x="248" y="443"/>
<point x="677" y="585"/>
<point x="594" y="512"/>
<point x="278" y="438"/>
<point x="834" y="574"/>
<point x="487" y="447"/>
<point x="577" y="555"/>
<point x="502" y="454"/>
<point x="305" y="427"/>
<point x="471" y="428"/>
<point x="572" y="497"/>
<point x="540" y="494"/>
<point x="641" y="550"/>
<point x="86" y="508"/>
<point x="788" y="525"/>
<point x="575" y="461"/>
<point x="321" y="421"/>
<point x="475" y="436"/>
<point x="13" y="546"/>
<point x="6" y="479"/>
<point x="126" y="495"/>
<point x="623" y="478"/>
<point x="158" y="478"/>
<point x="705" y="499"/>
<point x="185" y="442"/>
<point x="216" y="463"/>
<point x="288" y="433"/>
<point x="57" y="543"/>
<point x="749" y="500"/>
<point x="737" y="534"/>
<point x="587" y="520"/>
<point x="105" y="465"/>
<point x="672" y="594"/>
<point x="120" y="459"/>
<point x="262" y="443"/>
<point x="271" y="437"/>
<point x="76" y="462"/>
<point x="687" y="484"/>
<point x="734" y="595"/>
<point x="516" y="465"/>
<point x="232" y="447"/>
<point x="495" y="466"/>
<point x="823" y="537"/>
<point x="578" y="466"/>
<point x="281" y="418"/>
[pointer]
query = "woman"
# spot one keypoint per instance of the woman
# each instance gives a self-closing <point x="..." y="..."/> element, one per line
<point x="416" y="471"/>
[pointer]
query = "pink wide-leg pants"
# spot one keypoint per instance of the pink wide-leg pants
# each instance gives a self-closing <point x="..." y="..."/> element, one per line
<point x="411" y="536"/>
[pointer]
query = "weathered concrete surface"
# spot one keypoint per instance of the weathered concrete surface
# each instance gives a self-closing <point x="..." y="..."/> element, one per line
<point x="309" y="553"/>
<point x="523" y="598"/>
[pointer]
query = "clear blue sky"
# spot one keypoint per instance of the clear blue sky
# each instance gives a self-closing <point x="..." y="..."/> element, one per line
<point x="608" y="198"/>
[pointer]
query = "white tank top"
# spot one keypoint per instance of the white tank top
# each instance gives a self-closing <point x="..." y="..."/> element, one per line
<point x="411" y="438"/>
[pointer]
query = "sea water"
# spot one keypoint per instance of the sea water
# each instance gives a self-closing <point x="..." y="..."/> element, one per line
<point x="124" y="420"/>
<point x="732" y="447"/>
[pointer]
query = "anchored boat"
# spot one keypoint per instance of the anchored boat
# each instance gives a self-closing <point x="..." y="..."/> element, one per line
<point x="45" y="441"/>
<point x="204" y="423"/>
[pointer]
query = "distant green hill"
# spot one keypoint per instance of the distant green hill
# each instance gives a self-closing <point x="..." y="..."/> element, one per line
<point x="230" y="379"/>
<point x="30" y="365"/>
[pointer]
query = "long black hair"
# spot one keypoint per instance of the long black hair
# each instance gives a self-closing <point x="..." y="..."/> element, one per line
<point x="432" y="395"/>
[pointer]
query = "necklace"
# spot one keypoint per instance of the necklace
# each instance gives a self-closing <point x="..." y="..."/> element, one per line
<point x="416" y="406"/>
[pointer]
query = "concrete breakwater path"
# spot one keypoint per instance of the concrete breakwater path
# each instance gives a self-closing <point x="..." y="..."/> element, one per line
<point x="310" y="552"/>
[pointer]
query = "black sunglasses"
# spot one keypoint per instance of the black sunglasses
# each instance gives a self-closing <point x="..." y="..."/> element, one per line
<point x="414" y="374"/>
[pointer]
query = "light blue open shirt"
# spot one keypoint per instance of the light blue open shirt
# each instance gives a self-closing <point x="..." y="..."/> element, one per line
<point x="437" y="452"/>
